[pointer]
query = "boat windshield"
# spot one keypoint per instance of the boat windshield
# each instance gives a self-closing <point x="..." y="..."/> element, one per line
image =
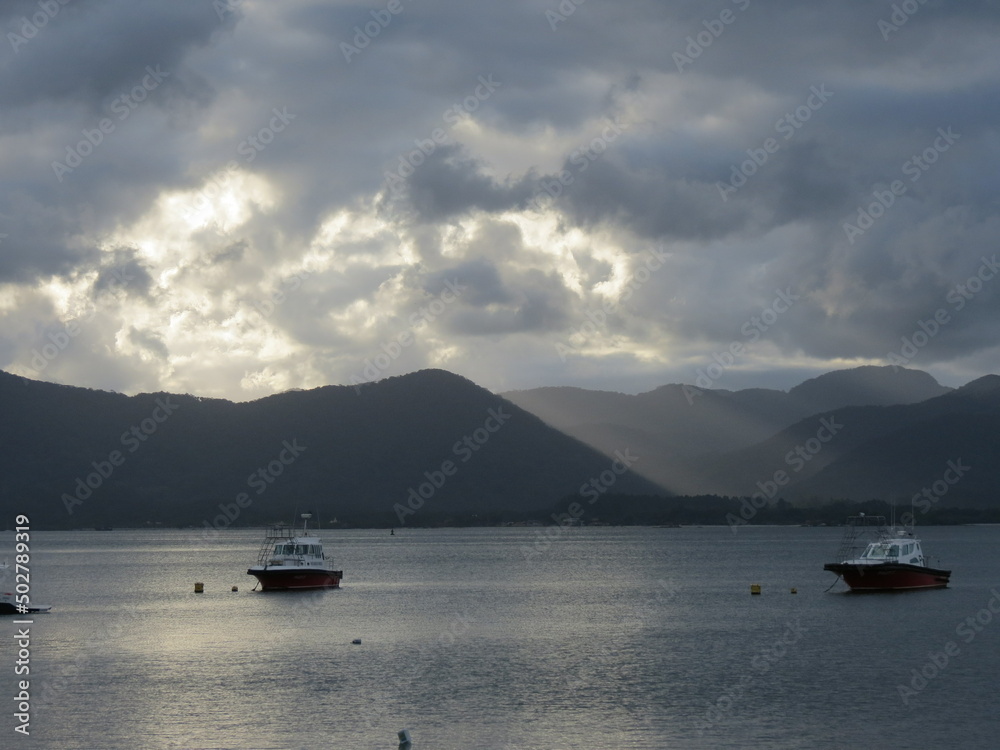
<point x="882" y="550"/>
<point x="297" y="549"/>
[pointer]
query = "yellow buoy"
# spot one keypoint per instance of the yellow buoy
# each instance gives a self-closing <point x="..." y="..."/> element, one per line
<point x="199" y="588"/>
<point x="794" y="590"/>
<point x="754" y="588"/>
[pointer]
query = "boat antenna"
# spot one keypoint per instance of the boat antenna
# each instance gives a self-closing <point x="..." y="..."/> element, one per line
<point x="305" y="520"/>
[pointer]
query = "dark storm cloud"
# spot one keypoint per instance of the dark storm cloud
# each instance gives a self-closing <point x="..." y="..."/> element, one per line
<point x="232" y="253"/>
<point x="450" y="183"/>
<point x="494" y="302"/>
<point x="480" y="281"/>
<point x="537" y="303"/>
<point x="40" y="239"/>
<point x="121" y="270"/>
<point x="521" y="197"/>
<point x="58" y="82"/>
<point x="149" y="342"/>
<point x="89" y="52"/>
<point x="652" y="201"/>
<point x="810" y="181"/>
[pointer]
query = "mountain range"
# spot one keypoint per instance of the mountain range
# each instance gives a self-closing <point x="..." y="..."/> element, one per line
<point x="427" y="443"/>
<point x="431" y="444"/>
<point x="859" y="434"/>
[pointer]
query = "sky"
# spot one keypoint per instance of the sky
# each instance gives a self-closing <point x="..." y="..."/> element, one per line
<point x="234" y="198"/>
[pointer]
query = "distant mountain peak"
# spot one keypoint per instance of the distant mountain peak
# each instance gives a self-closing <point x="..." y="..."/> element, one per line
<point x="980" y="386"/>
<point x="868" y="385"/>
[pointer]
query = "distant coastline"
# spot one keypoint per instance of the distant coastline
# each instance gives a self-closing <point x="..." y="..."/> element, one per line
<point x="635" y="510"/>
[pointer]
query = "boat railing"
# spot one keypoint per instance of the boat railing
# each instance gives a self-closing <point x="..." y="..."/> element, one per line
<point x="274" y="534"/>
<point x="859" y="532"/>
<point x="283" y="533"/>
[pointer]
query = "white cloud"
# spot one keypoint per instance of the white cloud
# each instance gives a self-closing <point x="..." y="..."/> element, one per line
<point x="199" y="252"/>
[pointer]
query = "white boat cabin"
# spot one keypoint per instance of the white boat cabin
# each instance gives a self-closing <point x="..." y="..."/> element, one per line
<point x="300" y="550"/>
<point x="889" y="550"/>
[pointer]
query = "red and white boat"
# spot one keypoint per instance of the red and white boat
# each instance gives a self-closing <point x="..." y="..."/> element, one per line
<point x="294" y="559"/>
<point x="892" y="561"/>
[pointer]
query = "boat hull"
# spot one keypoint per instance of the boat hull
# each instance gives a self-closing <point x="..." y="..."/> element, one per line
<point x="9" y="608"/>
<point x="889" y="576"/>
<point x="280" y="578"/>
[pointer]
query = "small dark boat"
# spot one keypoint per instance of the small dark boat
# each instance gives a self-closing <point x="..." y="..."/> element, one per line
<point x="18" y="605"/>
<point x="9" y="606"/>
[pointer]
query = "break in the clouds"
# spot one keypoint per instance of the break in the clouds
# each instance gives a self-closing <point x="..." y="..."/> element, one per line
<point x="234" y="198"/>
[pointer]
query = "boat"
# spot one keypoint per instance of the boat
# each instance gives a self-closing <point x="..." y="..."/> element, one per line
<point x="293" y="558"/>
<point x="892" y="560"/>
<point x="8" y="602"/>
<point x="9" y="606"/>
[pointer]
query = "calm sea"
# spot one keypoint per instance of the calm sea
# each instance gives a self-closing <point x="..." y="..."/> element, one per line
<point x="605" y="638"/>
